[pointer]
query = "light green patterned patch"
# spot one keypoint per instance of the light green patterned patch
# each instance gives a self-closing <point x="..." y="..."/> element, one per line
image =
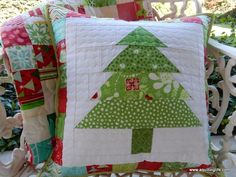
<point x="63" y="77"/>
<point x="124" y="168"/>
<point x="150" y="86"/>
<point x="99" y="3"/>
<point x="38" y="33"/>
<point x="51" y="169"/>
<point x="60" y="121"/>
<point x="141" y="58"/>
<point x="141" y="36"/>
<point x="63" y="56"/>
<point x="140" y="114"/>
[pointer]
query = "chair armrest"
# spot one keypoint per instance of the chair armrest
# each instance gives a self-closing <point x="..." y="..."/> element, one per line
<point x="218" y="51"/>
<point x="227" y="50"/>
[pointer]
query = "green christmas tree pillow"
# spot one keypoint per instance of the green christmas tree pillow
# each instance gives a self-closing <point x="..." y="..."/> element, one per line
<point x="130" y="95"/>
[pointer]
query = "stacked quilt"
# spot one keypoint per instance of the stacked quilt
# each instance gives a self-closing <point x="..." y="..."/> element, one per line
<point x="103" y="95"/>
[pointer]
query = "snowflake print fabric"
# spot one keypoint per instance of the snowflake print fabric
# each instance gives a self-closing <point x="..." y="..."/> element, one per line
<point x="22" y="57"/>
<point x="38" y="33"/>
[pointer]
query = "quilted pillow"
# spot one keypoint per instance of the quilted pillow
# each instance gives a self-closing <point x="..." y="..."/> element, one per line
<point x="109" y="85"/>
<point x="31" y="60"/>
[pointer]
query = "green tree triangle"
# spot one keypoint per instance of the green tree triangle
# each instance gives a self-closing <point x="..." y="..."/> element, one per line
<point x="141" y="36"/>
<point x="141" y="58"/>
<point x="140" y="114"/>
<point x="149" y="86"/>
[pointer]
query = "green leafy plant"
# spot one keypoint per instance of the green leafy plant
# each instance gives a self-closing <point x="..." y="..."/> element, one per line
<point x="229" y="21"/>
<point x="213" y="80"/>
<point x="12" y="107"/>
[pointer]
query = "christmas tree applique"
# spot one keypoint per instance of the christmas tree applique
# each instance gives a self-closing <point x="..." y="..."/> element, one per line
<point x="141" y="94"/>
<point x="141" y="54"/>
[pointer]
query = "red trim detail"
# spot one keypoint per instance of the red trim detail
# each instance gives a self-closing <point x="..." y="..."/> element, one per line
<point x="62" y="100"/>
<point x="57" y="150"/>
<point x="146" y="165"/>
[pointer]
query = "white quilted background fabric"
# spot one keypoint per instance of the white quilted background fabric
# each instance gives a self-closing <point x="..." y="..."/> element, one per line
<point x="91" y="46"/>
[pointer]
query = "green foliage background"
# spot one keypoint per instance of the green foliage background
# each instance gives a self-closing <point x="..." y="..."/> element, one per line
<point x="11" y="105"/>
<point x="226" y="20"/>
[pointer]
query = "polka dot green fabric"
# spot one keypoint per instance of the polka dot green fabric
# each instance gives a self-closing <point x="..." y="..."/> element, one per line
<point x="141" y="141"/>
<point x="141" y="36"/>
<point x="140" y="114"/>
<point x="141" y="58"/>
<point x="150" y="86"/>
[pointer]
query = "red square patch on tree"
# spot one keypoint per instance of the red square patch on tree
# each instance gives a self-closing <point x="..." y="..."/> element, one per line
<point x="132" y="84"/>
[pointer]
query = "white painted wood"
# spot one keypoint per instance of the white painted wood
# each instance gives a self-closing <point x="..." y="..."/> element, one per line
<point x="227" y="50"/>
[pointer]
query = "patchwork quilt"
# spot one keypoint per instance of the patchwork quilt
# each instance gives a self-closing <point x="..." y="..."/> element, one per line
<point x="30" y="58"/>
<point x="103" y="95"/>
